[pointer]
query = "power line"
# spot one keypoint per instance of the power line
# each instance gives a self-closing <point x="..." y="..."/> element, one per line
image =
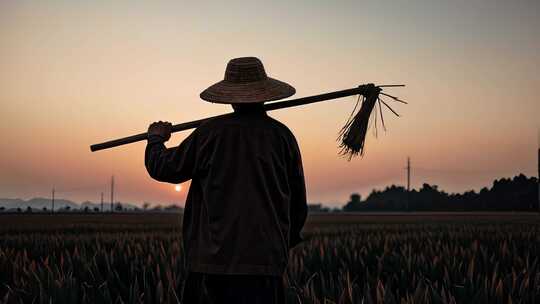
<point x="55" y="191"/>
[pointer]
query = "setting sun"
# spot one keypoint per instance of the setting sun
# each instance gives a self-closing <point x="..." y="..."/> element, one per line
<point x="178" y="188"/>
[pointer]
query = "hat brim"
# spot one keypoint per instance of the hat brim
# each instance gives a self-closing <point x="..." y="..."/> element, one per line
<point x="251" y="92"/>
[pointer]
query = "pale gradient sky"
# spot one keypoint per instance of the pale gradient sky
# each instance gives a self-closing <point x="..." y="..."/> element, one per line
<point x="74" y="73"/>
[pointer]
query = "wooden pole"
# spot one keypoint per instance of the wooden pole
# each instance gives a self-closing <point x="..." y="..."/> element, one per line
<point x="268" y="107"/>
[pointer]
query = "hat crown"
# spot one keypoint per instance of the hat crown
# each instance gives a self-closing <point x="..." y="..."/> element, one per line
<point x="246" y="81"/>
<point x="245" y="70"/>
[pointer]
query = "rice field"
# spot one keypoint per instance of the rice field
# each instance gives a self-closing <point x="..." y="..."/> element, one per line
<point x="375" y="258"/>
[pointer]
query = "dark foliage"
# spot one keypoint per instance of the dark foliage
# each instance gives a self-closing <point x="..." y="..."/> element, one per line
<point x="517" y="194"/>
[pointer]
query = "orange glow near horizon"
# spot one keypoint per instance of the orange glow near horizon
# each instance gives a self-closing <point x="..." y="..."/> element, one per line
<point x="76" y="73"/>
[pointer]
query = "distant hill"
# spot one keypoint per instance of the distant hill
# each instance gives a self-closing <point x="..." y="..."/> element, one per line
<point x="38" y="203"/>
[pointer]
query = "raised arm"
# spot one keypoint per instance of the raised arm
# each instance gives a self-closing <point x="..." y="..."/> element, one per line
<point x="171" y="165"/>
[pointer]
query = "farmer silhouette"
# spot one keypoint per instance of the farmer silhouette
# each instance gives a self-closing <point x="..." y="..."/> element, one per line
<point x="246" y="204"/>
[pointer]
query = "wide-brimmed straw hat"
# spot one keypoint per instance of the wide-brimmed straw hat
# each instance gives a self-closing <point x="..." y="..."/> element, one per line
<point x="246" y="82"/>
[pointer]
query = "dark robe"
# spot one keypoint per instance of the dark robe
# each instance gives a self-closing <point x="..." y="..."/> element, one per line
<point x="246" y="204"/>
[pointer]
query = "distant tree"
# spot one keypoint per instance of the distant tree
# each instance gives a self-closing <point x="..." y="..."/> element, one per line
<point x="157" y="208"/>
<point x="427" y="197"/>
<point x="28" y="209"/>
<point x="118" y="207"/>
<point x="354" y="203"/>
<point x="44" y="209"/>
<point x="393" y="198"/>
<point x="96" y="209"/>
<point x="67" y="208"/>
<point x="173" y="208"/>
<point x="2" y="209"/>
<point x="146" y="205"/>
<point x="86" y="209"/>
<point x="19" y="209"/>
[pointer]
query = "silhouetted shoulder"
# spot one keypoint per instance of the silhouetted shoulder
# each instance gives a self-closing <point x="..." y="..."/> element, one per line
<point x="213" y="123"/>
<point x="282" y="128"/>
<point x="218" y="124"/>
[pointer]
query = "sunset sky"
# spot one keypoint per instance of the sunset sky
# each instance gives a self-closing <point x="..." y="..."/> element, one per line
<point x="74" y="73"/>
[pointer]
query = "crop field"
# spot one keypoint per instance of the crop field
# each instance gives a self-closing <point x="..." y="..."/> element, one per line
<point x="356" y="258"/>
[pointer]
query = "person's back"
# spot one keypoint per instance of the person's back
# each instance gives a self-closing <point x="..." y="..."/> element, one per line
<point x="249" y="177"/>
<point x="245" y="207"/>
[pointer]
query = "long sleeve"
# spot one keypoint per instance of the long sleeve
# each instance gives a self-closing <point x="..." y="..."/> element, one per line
<point x="171" y="165"/>
<point x="298" y="207"/>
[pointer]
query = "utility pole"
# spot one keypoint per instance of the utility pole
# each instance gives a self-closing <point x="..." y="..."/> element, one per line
<point x="538" y="180"/>
<point x="112" y="193"/>
<point x="101" y="202"/>
<point x="52" y="201"/>
<point x="408" y="182"/>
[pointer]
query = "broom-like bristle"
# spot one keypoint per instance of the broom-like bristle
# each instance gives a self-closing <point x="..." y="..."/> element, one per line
<point x="353" y="135"/>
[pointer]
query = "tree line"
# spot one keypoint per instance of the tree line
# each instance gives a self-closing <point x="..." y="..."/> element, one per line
<point x="507" y="194"/>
